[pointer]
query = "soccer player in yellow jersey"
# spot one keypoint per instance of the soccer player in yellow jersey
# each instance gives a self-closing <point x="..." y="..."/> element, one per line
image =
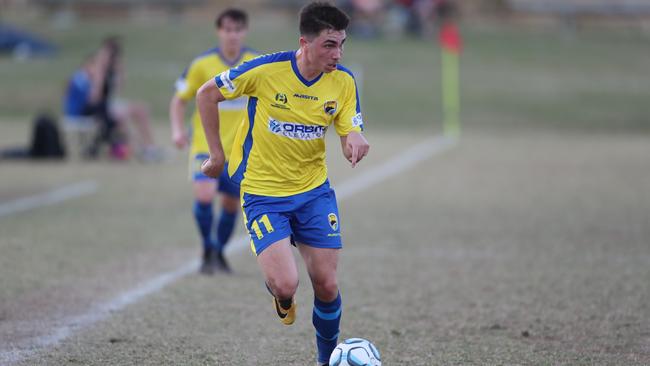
<point x="279" y="159"/>
<point x="231" y="29"/>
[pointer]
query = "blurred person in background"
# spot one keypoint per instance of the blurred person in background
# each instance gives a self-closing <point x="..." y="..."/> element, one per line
<point x="231" y="30"/>
<point x="118" y="113"/>
<point x="445" y="11"/>
<point x="424" y="11"/>
<point x="84" y="89"/>
<point x="418" y="17"/>
<point x="401" y="18"/>
<point x="82" y="106"/>
<point x="366" y="16"/>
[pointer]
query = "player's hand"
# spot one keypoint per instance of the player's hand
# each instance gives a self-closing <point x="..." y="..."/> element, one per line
<point x="356" y="147"/>
<point x="213" y="166"/>
<point x="180" y="139"/>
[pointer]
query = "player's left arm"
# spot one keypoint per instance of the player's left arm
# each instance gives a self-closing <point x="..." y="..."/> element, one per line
<point x="349" y="125"/>
<point x="207" y="99"/>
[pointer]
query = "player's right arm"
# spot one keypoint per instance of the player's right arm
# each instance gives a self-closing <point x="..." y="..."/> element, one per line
<point x="207" y="99"/>
<point x="230" y="84"/>
<point x="186" y="86"/>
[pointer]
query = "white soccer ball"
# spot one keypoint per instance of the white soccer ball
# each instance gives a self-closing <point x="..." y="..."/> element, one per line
<point x="355" y="352"/>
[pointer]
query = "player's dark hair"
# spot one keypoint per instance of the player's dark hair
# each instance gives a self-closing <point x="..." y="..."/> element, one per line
<point x="236" y="15"/>
<point x="321" y="15"/>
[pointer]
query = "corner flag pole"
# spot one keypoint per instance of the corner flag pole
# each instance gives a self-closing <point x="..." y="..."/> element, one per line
<point x="450" y="43"/>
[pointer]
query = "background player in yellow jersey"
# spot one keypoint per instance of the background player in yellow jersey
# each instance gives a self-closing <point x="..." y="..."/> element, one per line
<point x="231" y="28"/>
<point x="279" y="158"/>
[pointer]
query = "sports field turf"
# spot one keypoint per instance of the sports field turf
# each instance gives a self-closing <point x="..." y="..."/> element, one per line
<point x="526" y="243"/>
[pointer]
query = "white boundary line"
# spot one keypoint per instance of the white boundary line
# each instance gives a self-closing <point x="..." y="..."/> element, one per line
<point x="374" y="175"/>
<point x="48" y="198"/>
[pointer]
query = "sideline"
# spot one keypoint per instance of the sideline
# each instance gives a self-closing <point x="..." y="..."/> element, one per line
<point x="49" y="198"/>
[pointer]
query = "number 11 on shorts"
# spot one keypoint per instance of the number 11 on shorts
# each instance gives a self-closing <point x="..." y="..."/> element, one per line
<point x="267" y="225"/>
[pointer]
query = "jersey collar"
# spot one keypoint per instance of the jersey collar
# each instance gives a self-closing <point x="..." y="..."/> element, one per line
<point x="233" y="63"/>
<point x="294" y="66"/>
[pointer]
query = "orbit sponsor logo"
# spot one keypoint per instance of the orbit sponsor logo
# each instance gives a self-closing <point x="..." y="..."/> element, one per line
<point x="296" y="131"/>
<point x="274" y="126"/>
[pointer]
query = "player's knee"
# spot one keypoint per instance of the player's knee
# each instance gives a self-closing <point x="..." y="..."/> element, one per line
<point x="204" y="191"/>
<point x="204" y="197"/>
<point x="284" y="288"/>
<point x="230" y="204"/>
<point x="326" y="288"/>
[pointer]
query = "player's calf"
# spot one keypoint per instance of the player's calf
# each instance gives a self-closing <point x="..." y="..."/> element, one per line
<point x="326" y="319"/>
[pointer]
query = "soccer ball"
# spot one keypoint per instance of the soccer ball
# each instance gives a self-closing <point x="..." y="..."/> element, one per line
<point x="355" y="352"/>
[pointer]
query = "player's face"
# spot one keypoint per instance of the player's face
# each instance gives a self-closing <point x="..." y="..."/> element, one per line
<point x="326" y="50"/>
<point x="231" y="34"/>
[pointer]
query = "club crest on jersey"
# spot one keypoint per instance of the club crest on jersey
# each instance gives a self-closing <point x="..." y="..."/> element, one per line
<point x="281" y="97"/>
<point x="330" y="107"/>
<point x="280" y="101"/>
<point x="333" y="221"/>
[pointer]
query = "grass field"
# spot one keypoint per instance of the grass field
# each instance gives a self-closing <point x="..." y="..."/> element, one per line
<point x="526" y="243"/>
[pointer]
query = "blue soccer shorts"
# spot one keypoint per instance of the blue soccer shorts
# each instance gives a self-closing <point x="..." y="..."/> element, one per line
<point x="225" y="184"/>
<point x="310" y="218"/>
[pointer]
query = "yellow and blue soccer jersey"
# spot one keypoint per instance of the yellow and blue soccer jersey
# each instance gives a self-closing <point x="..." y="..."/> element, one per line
<point x="203" y="68"/>
<point x="279" y="149"/>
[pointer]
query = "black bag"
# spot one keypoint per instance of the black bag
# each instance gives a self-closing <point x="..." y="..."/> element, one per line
<point x="46" y="140"/>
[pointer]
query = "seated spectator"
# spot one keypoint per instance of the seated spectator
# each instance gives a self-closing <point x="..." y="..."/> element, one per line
<point x="122" y="111"/>
<point x="90" y="98"/>
<point x="82" y="107"/>
<point x="84" y="87"/>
